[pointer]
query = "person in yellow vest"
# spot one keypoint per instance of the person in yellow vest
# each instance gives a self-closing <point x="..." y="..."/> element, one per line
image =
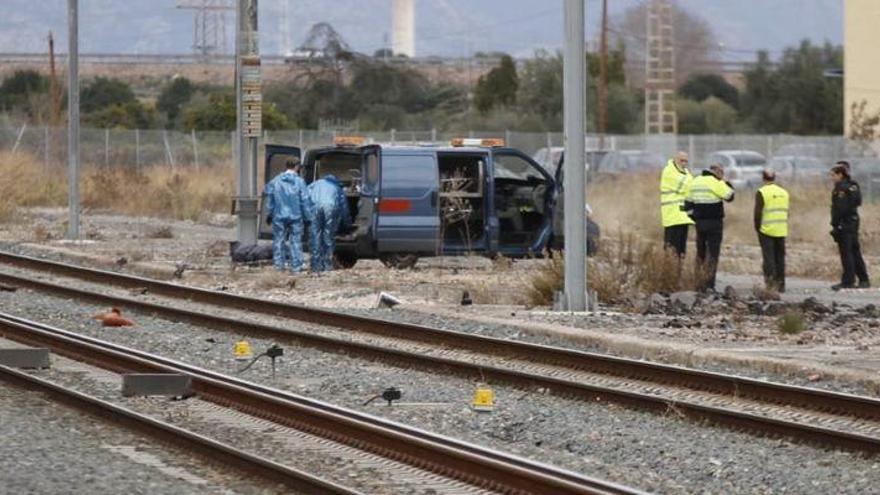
<point x="675" y="181"/>
<point x="771" y="223"/>
<point x="705" y="205"/>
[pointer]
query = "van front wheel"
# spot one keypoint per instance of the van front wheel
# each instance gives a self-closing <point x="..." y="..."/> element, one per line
<point x="400" y="261"/>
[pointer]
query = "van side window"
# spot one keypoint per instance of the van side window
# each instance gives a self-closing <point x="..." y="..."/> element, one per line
<point x="408" y="172"/>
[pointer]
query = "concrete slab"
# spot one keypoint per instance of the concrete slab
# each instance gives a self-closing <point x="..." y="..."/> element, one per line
<point x="25" y="357"/>
<point x="147" y="384"/>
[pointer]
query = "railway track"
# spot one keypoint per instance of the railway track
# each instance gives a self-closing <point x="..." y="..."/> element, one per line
<point x="435" y="456"/>
<point x="823" y="418"/>
<point x="246" y="463"/>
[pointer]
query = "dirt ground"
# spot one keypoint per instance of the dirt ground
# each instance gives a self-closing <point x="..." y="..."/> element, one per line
<point x="842" y="332"/>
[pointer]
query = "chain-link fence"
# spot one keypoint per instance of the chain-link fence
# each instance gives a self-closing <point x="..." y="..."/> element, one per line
<point x="143" y="148"/>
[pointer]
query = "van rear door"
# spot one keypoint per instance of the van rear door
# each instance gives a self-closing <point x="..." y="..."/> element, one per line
<point x="408" y="220"/>
<point x="274" y="164"/>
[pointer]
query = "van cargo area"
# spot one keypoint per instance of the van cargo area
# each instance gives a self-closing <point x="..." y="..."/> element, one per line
<point x="462" y="200"/>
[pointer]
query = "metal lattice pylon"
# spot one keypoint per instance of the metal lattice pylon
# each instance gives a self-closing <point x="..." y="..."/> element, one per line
<point x="209" y="24"/>
<point x="660" y="117"/>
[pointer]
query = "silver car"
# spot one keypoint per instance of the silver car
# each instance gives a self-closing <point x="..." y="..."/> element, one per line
<point x="741" y="167"/>
<point x="799" y="168"/>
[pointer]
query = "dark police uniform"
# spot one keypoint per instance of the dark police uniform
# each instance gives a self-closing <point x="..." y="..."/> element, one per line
<point x="705" y="205"/>
<point x="845" y="201"/>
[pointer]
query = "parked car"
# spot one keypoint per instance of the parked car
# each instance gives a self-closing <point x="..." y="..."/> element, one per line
<point x="626" y="161"/>
<point x="799" y="168"/>
<point x="476" y="196"/>
<point x="741" y="167"/>
<point x="551" y="158"/>
<point x="820" y="150"/>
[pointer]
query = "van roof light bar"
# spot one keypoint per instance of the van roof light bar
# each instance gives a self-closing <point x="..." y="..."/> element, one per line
<point x="349" y="140"/>
<point x="487" y="142"/>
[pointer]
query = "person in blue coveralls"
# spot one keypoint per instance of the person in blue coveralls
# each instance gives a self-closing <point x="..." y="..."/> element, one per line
<point x="289" y="207"/>
<point x="330" y="214"/>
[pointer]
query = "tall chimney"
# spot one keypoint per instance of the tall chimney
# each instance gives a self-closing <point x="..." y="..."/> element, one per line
<point x="403" y="27"/>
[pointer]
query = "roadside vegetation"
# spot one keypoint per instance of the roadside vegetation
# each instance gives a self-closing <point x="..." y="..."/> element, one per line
<point x="347" y="90"/>
<point x="185" y="193"/>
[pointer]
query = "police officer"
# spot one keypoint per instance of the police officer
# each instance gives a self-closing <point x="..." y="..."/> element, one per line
<point x="331" y="213"/>
<point x="771" y="223"/>
<point x="845" y="201"/>
<point x="705" y="205"/>
<point x="288" y="207"/>
<point x="675" y="181"/>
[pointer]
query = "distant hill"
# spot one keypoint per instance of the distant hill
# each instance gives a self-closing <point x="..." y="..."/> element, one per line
<point x="445" y="27"/>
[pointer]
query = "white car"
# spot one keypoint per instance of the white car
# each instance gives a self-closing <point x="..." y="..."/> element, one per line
<point x="742" y="168"/>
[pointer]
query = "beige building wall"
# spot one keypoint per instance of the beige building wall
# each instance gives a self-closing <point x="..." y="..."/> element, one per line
<point x="861" y="60"/>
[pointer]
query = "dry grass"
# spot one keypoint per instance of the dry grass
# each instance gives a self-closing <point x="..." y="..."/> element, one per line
<point x="625" y="269"/>
<point x="542" y="282"/>
<point x="155" y="191"/>
<point x="632" y="205"/>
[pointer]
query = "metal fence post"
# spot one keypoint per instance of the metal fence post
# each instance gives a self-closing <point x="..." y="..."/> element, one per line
<point x="433" y="134"/>
<point x="137" y="148"/>
<point x="106" y="148"/>
<point x="769" y="146"/>
<point x="18" y="139"/>
<point x="507" y="137"/>
<point x="692" y="149"/>
<point x="46" y="151"/>
<point x="300" y="139"/>
<point x="195" y="148"/>
<point x="169" y="157"/>
<point x="393" y="135"/>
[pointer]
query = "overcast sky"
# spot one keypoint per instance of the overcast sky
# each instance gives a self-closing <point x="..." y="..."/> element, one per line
<point x="444" y="27"/>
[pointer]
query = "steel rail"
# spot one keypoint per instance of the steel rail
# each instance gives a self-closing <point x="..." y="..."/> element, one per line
<point x="212" y="450"/>
<point x="442" y="455"/>
<point x="732" y="385"/>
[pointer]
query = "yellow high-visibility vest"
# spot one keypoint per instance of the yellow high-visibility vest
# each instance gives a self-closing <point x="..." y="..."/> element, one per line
<point x="674" y="187"/>
<point x="707" y="189"/>
<point x="774" y="217"/>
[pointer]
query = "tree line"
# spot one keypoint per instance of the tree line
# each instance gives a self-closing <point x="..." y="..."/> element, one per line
<point x="791" y="95"/>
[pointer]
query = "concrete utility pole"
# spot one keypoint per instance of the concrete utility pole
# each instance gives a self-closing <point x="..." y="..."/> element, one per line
<point x="603" y="76"/>
<point x="73" y="119"/>
<point x="249" y="101"/>
<point x="575" y="109"/>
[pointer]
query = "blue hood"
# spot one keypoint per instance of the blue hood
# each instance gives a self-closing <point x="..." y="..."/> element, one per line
<point x="332" y="178"/>
<point x="288" y="177"/>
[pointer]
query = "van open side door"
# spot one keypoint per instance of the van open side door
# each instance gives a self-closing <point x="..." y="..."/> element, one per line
<point x="274" y="164"/>
<point x="523" y="198"/>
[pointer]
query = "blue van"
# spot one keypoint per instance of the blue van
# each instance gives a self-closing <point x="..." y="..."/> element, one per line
<point x="472" y="197"/>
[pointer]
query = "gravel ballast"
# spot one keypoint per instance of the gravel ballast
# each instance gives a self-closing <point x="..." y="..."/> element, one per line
<point x="663" y="454"/>
<point x="49" y="448"/>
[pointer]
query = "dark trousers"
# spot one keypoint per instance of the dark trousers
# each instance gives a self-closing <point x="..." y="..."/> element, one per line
<point x="708" y="251"/>
<point x="851" y="257"/>
<point x="675" y="238"/>
<point x="773" y="252"/>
